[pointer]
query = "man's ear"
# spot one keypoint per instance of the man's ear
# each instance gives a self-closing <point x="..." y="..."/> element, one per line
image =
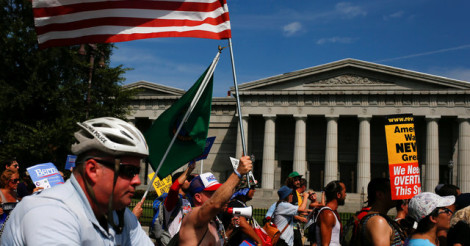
<point x="197" y="197"/>
<point x="92" y="169"/>
<point x="433" y="219"/>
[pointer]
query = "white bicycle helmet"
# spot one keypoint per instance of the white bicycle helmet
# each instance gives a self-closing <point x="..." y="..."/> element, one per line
<point x="110" y="135"/>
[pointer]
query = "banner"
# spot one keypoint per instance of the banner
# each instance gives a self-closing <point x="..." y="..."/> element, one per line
<point x="45" y="175"/>
<point x="70" y="162"/>
<point x="69" y="22"/>
<point x="207" y="149"/>
<point x="402" y="156"/>
<point x="161" y="185"/>
<point x="191" y="140"/>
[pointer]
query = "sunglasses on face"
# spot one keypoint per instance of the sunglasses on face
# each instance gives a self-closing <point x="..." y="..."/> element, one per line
<point x="445" y="211"/>
<point x="125" y="171"/>
<point x="14" y="181"/>
<point x="15" y="165"/>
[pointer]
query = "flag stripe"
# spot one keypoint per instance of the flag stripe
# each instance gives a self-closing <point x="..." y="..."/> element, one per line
<point x="120" y="30"/>
<point x="55" y="3"/>
<point x="129" y="5"/>
<point x="130" y="37"/>
<point x="131" y="13"/>
<point x="119" y="21"/>
<point x="106" y="21"/>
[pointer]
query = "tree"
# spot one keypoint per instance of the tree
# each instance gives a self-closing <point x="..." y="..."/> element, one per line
<point x="43" y="92"/>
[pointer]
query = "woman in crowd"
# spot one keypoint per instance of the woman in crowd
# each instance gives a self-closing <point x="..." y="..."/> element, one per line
<point x="431" y="214"/>
<point x="9" y="183"/>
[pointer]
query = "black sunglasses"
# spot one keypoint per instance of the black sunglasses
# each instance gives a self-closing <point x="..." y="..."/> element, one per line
<point x="445" y="211"/>
<point x="14" y="181"/>
<point x="125" y="171"/>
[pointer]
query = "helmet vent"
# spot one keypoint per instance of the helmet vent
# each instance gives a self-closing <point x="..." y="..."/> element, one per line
<point x="119" y="140"/>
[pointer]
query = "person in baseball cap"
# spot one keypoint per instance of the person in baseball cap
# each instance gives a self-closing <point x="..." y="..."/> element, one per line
<point x="209" y="197"/>
<point x="203" y="182"/>
<point x="430" y="212"/>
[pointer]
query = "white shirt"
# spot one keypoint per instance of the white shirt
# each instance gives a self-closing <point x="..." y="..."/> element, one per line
<point x="335" y="232"/>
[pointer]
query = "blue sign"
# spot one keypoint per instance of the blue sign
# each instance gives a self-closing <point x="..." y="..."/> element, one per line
<point x="70" y="162"/>
<point x="207" y="149"/>
<point x="45" y="175"/>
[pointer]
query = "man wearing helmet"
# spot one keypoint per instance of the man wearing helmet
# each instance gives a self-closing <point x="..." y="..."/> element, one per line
<point x="90" y="208"/>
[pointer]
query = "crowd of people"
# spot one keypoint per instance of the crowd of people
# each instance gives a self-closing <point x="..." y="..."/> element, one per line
<point x="91" y="208"/>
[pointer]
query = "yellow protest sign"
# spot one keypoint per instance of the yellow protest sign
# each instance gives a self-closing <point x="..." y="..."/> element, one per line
<point x="161" y="186"/>
<point x="402" y="156"/>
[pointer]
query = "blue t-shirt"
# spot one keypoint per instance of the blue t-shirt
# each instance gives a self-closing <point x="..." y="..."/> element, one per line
<point x="419" y="242"/>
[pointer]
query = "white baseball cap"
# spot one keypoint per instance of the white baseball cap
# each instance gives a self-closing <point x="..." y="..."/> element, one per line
<point x="424" y="203"/>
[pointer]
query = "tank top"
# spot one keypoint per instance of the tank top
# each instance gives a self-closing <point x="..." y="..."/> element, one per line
<point x="335" y="232"/>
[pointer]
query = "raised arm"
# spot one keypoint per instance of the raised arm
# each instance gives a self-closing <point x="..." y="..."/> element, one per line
<point x="214" y="205"/>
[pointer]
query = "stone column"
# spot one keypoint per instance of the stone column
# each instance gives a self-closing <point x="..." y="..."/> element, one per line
<point x="239" y="149"/>
<point x="331" y="155"/>
<point x="463" y="160"/>
<point x="363" y="156"/>
<point x="269" y="152"/>
<point x="432" y="154"/>
<point x="300" y="142"/>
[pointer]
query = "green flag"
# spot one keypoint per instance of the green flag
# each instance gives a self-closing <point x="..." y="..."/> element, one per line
<point x="191" y="139"/>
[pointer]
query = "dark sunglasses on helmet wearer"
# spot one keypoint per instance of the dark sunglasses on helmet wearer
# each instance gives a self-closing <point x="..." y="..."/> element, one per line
<point x="14" y="181"/>
<point x="125" y="171"/>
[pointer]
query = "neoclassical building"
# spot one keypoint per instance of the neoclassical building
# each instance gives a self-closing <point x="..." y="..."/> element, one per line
<point x="327" y="123"/>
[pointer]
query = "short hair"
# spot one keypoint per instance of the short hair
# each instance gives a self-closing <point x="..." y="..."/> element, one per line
<point x="377" y="184"/>
<point x="6" y="177"/>
<point x="7" y="162"/>
<point x="448" y="190"/>
<point x="333" y="188"/>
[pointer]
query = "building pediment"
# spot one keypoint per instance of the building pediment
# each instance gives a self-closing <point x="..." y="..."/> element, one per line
<point x="148" y="89"/>
<point x="353" y="75"/>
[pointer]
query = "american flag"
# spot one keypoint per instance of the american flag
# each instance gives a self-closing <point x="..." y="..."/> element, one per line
<point x="69" y="22"/>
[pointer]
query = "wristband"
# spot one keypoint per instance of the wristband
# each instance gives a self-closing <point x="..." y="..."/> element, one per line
<point x="238" y="174"/>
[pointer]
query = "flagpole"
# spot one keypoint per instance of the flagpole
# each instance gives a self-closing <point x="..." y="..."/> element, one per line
<point x="195" y="100"/>
<point x="239" y="110"/>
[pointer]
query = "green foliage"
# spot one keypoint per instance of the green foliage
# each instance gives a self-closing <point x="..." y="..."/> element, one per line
<point x="43" y="92"/>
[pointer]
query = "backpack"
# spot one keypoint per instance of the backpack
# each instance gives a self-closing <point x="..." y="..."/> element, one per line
<point x="311" y="224"/>
<point x="349" y="235"/>
<point x="158" y="228"/>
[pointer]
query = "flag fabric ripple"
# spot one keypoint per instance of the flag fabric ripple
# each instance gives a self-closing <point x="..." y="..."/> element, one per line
<point x="69" y="22"/>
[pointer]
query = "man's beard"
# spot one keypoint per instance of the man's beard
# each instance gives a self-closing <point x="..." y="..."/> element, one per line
<point x="341" y="202"/>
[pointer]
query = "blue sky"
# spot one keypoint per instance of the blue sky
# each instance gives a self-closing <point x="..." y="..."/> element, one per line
<point x="272" y="37"/>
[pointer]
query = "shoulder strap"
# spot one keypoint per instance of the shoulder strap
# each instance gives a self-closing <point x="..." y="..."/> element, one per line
<point x="203" y="236"/>
<point x="321" y="209"/>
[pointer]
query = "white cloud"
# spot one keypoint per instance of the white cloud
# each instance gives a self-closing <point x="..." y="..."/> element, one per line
<point x="292" y="28"/>
<point x="341" y="40"/>
<point x="350" y="11"/>
<point x="395" y="15"/>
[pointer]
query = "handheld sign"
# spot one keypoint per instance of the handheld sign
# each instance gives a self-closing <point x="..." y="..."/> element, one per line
<point x="45" y="175"/>
<point x="207" y="149"/>
<point x="402" y="156"/>
<point x="70" y="162"/>
<point x="161" y="186"/>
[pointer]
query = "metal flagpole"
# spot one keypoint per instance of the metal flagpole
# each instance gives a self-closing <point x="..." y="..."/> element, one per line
<point x="195" y="100"/>
<point x="242" y="131"/>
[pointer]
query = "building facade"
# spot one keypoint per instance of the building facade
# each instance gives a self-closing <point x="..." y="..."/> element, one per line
<point x="327" y="123"/>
